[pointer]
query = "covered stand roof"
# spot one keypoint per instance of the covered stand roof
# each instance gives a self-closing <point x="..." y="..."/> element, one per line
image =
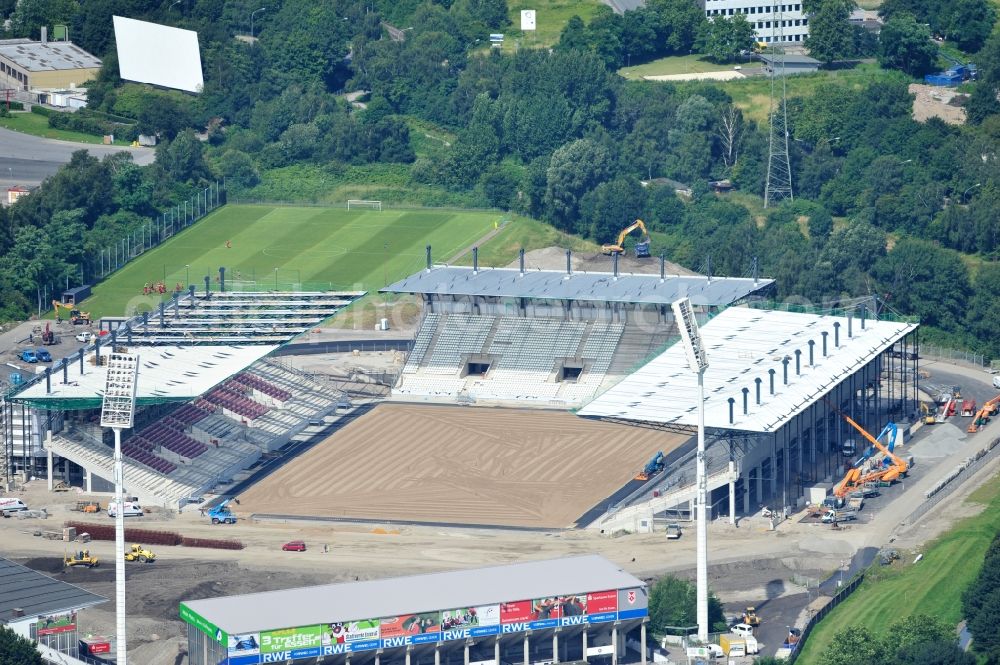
<point x="47" y="56"/>
<point x="34" y="593"/>
<point x="407" y="595"/>
<point x="742" y="345"/>
<point x="166" y="373"/>
<point x="557" y="285"/>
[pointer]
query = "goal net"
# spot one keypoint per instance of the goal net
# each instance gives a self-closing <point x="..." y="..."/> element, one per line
<point x="360" y="203"/>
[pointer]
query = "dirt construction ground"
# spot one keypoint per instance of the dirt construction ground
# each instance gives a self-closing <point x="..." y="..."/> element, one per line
<point x="460" y="465"/>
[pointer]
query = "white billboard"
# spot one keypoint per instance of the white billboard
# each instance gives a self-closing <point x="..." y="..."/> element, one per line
<point x="527" y="19"/>
<point x="158" y="54"/>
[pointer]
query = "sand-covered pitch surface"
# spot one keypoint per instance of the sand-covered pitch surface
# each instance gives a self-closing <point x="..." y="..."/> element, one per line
<point x="460" y="465"/>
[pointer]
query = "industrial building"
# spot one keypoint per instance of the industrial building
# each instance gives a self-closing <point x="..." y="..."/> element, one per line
<point x="45" y="65"/>
<point x="765" y="18"/>
<point x="571" y="609"/>
<point x="789" y="64"/>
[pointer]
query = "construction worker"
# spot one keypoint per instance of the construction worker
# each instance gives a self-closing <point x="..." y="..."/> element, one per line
<point x="229" y="244"/>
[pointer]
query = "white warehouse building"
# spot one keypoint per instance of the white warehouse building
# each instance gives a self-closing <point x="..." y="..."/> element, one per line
<point x="762" y="16"/>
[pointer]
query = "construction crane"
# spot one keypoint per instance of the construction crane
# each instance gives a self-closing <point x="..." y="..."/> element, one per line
<point x="641" y="247"/>
<point x="890" y="467"/>
<point x="76" y="317"/>
<point x="988" y="409"/>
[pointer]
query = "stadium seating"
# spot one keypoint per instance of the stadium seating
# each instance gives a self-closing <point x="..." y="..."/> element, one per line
<point x="266" y="387"/>
<point x="420" y="344"/>
<point x="461" y="334"/>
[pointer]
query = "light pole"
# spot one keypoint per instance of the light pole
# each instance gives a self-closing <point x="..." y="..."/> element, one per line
<point x="187" y="275"/>
<point x="698" y="363"/>
<point x="256" y="11"/>
<point x="275" y="279"/>
<point x="966" y="192"/>
<point x="117" y="411"/>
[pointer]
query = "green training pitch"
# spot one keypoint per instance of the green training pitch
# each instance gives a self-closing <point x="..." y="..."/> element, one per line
<point x="290" y="248"/>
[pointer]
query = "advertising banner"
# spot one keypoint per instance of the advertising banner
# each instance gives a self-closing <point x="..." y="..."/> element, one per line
<point x="56" y="623"/>
<point x="351" y="631"/>
<point x="468" y="622"/>
<point x="632" y="603"/>
<point x="247" y="644"/>
<point x="515" y="612"/>
<point x="204" y="625"/>
<point x="602" y="606"/>
<point x="411" y="629"/>
<point x="557" y="607"/>
<point x="289" y="643"/>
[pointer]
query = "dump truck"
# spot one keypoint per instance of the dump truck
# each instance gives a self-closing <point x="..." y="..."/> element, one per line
<point x="140" y="554"/>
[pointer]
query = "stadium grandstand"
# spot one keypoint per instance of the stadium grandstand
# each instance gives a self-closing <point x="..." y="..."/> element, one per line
<point x="210" y="402"/>
<point x="776" y="390"/>
<point x="541" y="337"/>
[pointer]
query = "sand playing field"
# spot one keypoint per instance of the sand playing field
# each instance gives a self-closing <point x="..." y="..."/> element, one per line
<point x="461" y="465"/>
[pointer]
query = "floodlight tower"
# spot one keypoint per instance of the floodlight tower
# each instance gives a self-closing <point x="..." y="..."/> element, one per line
<point x="698" y="362"/>
<point x="117" y="412"/>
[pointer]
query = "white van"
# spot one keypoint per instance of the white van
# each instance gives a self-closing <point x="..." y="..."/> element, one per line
<point x="996" y="381"/>
<point x="742" y="630"/>
<point x="10" y="505"/>
<point x="132" y="509"/>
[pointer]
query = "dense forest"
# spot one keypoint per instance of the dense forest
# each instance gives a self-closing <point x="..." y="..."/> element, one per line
<point x="883" y="205"/>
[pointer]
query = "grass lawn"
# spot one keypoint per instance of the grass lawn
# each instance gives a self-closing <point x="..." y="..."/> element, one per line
<point x="527" y="233"/>
<point x="675" y="64"/>
<point x="317" y="248"/>
<point x="550" y="17"/>
<point x="38" y="125"/>
<point x="752" y="95"/>
<point x="934" y="586"/>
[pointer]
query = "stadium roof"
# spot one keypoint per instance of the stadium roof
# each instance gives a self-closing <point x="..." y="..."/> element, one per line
<point x="742" y="344"/>
<point x="166" y="373"/>
<point x="409" y="595"/>
<point x="557" y="285"/>
<point x="47" y="56"/>
<point x="35" y="593"/>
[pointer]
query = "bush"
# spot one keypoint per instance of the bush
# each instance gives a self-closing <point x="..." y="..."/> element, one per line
<point x="41" y="110"/>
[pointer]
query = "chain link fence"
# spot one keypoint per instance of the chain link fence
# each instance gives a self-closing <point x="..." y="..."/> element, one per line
<point x="944" y="489"/>
<point x="932" y="352"/>
<point x="841" y="596"/>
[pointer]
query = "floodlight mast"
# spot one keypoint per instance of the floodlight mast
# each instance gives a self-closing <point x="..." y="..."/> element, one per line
<point x="694" y="349"/>
<point x="117" y="412"/>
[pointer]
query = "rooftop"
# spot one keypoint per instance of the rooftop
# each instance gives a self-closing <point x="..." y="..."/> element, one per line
<point x="166" y="373"/>
<point x="742" y="344"/>
<point x="558" y="285"/>
<point x="47" y="56"/>
<point x="397" y="596"/>
<point x="36" y="594"/>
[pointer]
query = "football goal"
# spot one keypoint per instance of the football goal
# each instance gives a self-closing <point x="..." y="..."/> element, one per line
<point x="353" y="204"/>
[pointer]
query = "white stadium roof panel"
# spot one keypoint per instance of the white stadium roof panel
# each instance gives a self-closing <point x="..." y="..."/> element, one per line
<point x="158" y="54"/>
<point x="742" y="345"/>
<point x="397" y="596"/>
<point x="166" y="373"/>
<point x="558" y="285"/>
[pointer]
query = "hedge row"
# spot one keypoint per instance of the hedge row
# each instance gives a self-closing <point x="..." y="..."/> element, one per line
<point x="150" y="537"/>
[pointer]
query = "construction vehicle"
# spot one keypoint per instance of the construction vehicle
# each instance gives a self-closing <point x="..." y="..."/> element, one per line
<point x="927" y="415"/>
<point x="140" y="554"/>
<point x="87" y="507"/>
<point x="750" y="617"/>
<point x="673" y="531"/>
<point x="221" y="514"/>
<point x="653" y="466"/>
<point x="81" y="558"/>
<point x="968" y="408"/>
<point x="76" y="317"/>
<point x="641" y="247"/>
<point x="842" y="515"/>
<point x="48" y="337"/>
<point x="869" y="469"/>
<point x="990" y="408"/>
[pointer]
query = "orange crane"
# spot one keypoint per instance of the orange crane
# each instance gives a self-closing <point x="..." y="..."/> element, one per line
<point x="856" y="477"/>
<point x="990" y="408"/>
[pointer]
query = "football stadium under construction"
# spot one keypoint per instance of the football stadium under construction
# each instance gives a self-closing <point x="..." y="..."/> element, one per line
<point x="527" y="399"/>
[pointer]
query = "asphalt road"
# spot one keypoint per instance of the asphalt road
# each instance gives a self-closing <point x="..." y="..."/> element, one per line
<point x="28" y="160"/>
<point x="622" y="6"/>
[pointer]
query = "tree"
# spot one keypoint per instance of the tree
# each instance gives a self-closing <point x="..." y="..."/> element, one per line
<point x="906" y="45"/>
<point x="610" y="207"/>
<point x="574" y="169"/>
<point x="730" y="132"/>
<point x="984" y="101"/>
<point x="724" y="39"/>
<point x="968" y="23"/>
<point x="16" y="650"/>
<point x="919" y="277"/>
<point x="182" y="158"/>
<point x="673" y="605"/>
<point x="831" y="36"/>
<point x="238" y="170"/>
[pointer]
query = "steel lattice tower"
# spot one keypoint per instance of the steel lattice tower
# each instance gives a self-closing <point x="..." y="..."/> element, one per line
<point x="779" y="168"/>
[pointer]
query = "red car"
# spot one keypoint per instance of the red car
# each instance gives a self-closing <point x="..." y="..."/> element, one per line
<point x="294" y="546"/>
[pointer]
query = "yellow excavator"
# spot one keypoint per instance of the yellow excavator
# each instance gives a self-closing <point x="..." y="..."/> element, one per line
<point x="641" y="247"/>
<point x="76" y="317"/>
